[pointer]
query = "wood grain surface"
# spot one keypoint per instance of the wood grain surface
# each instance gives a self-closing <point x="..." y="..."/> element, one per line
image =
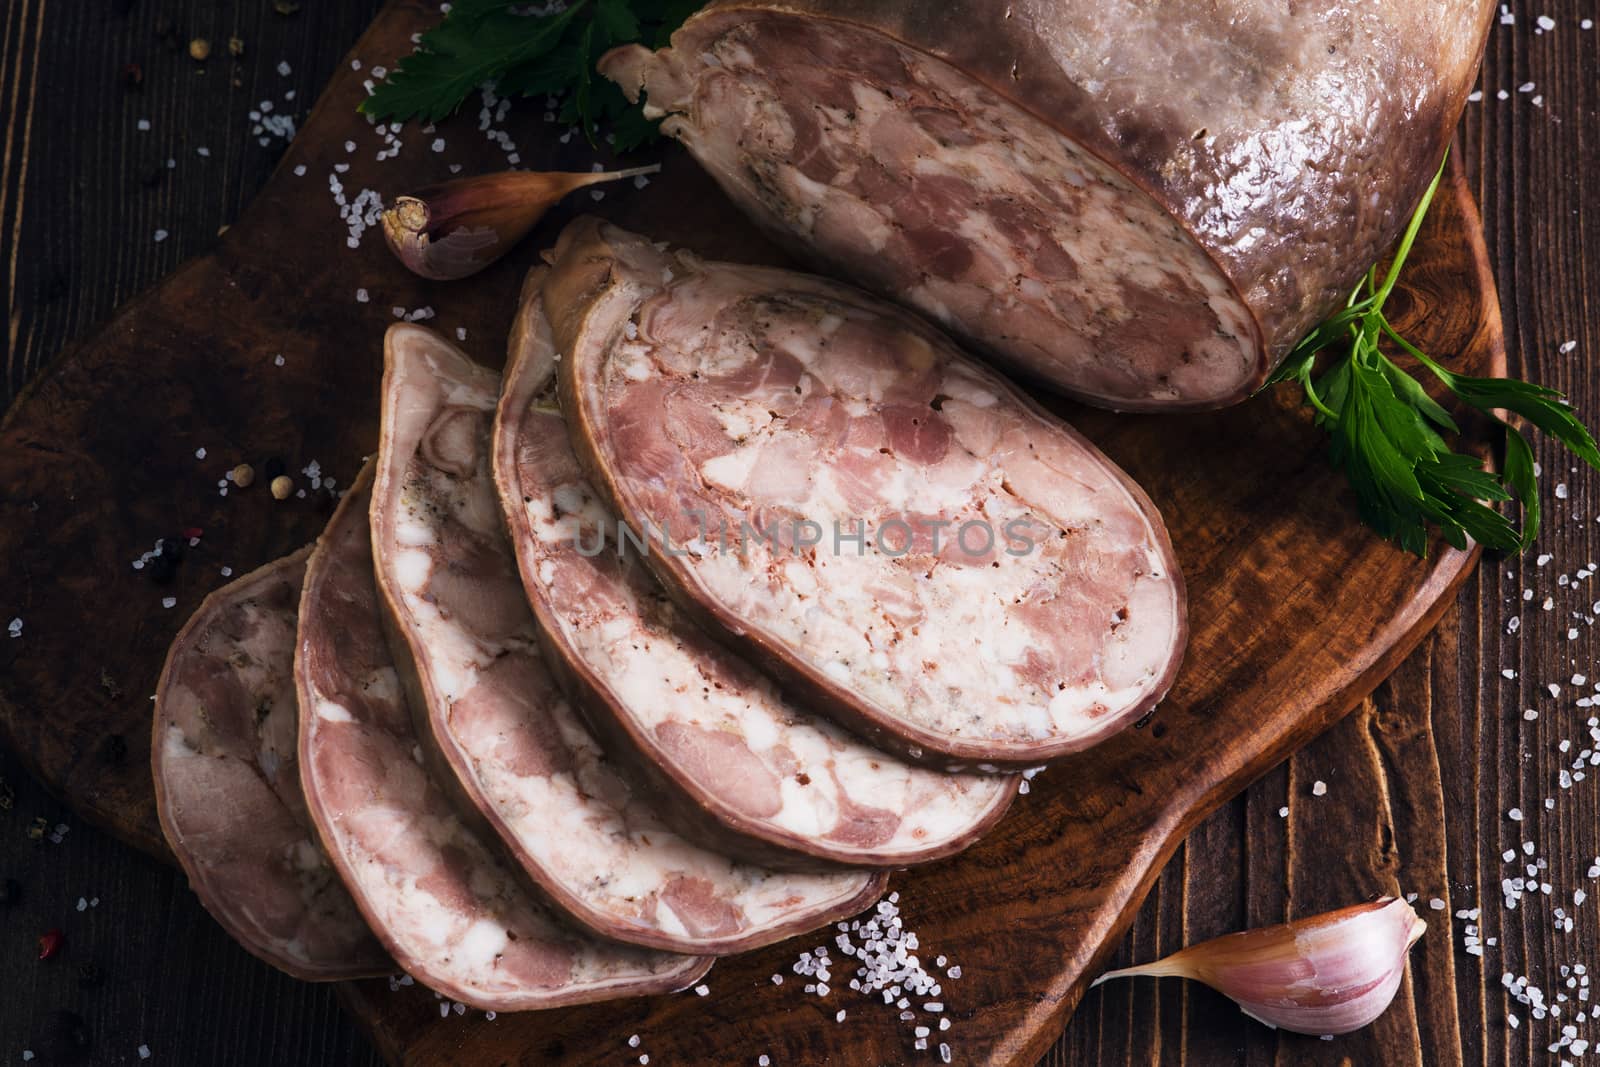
<point x="1433" y="769"/>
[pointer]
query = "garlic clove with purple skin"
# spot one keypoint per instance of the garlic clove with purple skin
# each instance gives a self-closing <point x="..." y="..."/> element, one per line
<point x="457" y="228"/>
<point x="1325" y="974"/>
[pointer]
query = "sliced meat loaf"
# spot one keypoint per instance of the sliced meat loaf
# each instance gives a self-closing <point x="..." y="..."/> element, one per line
<point x="465" y="636"/>
<point x="910" y="543"/>
<point x="227" y="780"/>
<point x="1144" y="203"/>
<point x="715" y="731"/>
<point x="448" y="908"/>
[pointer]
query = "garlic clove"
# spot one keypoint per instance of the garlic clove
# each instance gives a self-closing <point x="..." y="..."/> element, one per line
<point x="1325" y="974"/>
<point x="457" y="228"/>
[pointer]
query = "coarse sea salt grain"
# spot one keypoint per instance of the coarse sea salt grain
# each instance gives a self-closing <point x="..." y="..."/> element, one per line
<point x="887" y="968"/>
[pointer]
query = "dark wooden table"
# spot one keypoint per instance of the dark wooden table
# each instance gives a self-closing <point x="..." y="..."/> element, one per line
<point x="1418" y="780"/>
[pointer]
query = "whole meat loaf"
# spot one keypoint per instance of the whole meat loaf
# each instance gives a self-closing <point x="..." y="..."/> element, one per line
<point x="455" y="916"/>
<point x="894" y="530"/>
<point x="713" y="729"/>
<point x="466" y="643"/>
<point x="228" y="783"/>
<point x="1144" y="202"/>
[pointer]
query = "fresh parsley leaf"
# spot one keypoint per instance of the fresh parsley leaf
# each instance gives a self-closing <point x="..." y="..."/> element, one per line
<point x="1386" y="431"/>
<point x="486" y="42"/>
<point x="632" y="130"/>
<point x="549" y="75"/>
<point x="460" y="55"/>
<point x="616" y="21"/>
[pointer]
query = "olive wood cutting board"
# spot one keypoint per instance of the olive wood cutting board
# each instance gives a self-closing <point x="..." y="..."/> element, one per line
<point x="1296" y="610"/>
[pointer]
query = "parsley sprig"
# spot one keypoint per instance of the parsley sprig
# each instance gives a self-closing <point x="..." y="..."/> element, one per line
<point x="549" y="53"/>
<point x="1386" y="429"/>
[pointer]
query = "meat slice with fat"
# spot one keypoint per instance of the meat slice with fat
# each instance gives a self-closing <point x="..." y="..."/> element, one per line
<point x="465" y="636"/>
<point x="228" y="783"/>
<point x="449" y="908"/>
<point x="913" y="545"/>
<point x="1143" y="202"/>
<point x="712" y="729"/>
